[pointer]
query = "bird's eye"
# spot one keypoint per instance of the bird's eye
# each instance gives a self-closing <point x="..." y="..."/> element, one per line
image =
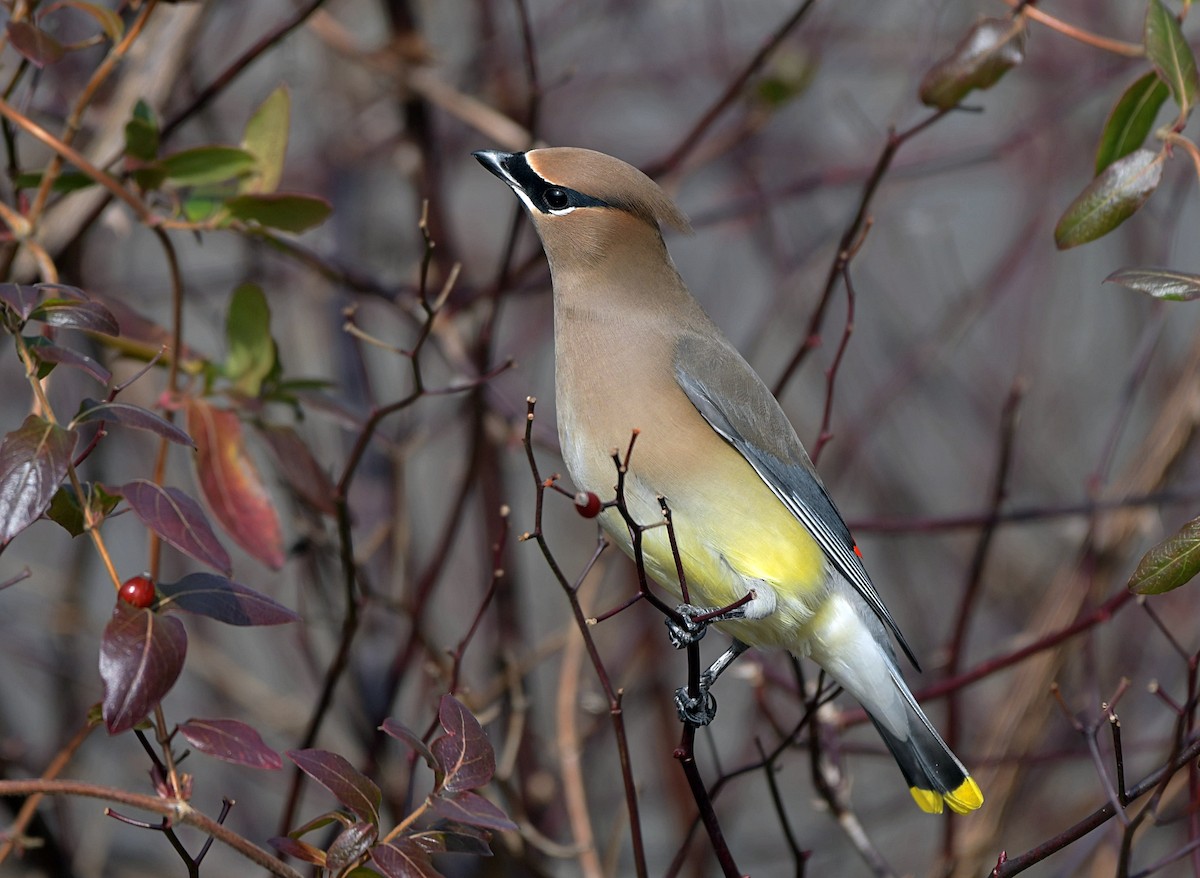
<point x="556" y="199"/>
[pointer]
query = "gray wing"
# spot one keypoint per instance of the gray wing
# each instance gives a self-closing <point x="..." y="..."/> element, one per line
<point x="739" y="407"/>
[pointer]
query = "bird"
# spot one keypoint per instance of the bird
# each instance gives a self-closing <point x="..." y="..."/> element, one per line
<point x="756" y="531"/>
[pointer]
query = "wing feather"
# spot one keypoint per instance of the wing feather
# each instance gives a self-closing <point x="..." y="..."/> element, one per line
<point x="734" y="401"/>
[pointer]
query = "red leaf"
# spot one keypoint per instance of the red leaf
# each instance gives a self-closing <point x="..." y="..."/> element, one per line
<point x="230" y="741"/>
<point x="52" y="353"/>
<point x="403" y="733"/>
<point x="470" y="808"/>
<point x="231" y="483"/>
<point x="350" y="844"/>
<point x="301" y="850"/>
<point x="34" y="459"/>
<point x="132" y="416"/>
<point x="141" y="655"/>
<point x="35" y="44"/>
<point x="77" y="314"/>
<point x="349" y="785"/>
<point x="20" y="298"/>
<point x="464" y="753"/>
<point x="178" y="519"/>
<point x="295" y="462"/>
<point x="216" y="597"/>
<point x="403" y="859"/>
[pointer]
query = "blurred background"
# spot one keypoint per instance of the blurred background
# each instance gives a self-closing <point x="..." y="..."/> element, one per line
<point x="978" y="349"/>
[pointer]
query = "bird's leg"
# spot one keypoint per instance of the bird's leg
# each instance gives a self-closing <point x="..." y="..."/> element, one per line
<point x="695" y="620"/>
<point x="702" y="709"/>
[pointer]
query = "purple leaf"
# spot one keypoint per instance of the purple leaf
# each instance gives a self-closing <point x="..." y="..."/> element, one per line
<point x="463" y="753"/>
<point x="295" y="462"/>
<point x="206" y="594"/>
<point x="20" y="298"/>
<point x="232" y="741"/>
<point x="453" y="838"/>
<point x="141" y="655"/>
<point x="472" y="809"/>
<point x="34" y="459"/>
<point x="349" y="785"/>
<point x="403" y="859"/>
<point x="178" y="519"/>
<point x="350" y="844"/>
<point x="301" y="850"/>
<point x="74" y="314"/>
<point x="49" y="352"/>
<point x="132" y="416"/>
<point x="34" y="44"/>
<point x="403" y="733"/>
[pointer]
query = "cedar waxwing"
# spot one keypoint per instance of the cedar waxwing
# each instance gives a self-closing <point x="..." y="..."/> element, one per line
<point x="752" y="520"/>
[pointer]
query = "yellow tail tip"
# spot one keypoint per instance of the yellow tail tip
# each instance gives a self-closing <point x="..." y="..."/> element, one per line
<point x="962" y="800"/>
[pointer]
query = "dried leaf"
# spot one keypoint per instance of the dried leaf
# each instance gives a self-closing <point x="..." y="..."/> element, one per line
<point x="178" y="519"/>
<point x="141" y="655"/>
<point x="1170" y="564"/>
<point x="231" y="484"/>
<point x="230" y="741"/>
<point x="1110" y="199"/>
<point x="464" y="752"/>
<point x="989" y="50"/>
<point x="205" y="594"/>
<point x="34" y="460"/>
<point x="349" y="785"/>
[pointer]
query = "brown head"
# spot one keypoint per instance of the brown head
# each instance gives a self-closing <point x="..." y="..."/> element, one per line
<point x="585" y="205"/>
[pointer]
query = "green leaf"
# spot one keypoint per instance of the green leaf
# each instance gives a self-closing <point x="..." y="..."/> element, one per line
<point x="201" y="207"/>
<point x="1171" y="56"/>
<point x="1171" y="563"/>
<point x="267" y="138"/>
<point x="1110" y="199"/>
<point x="1161" y="283"/>
<point x="989" y="50"/>
<point x="248" y="333"/>
<point x="207" y="164"/>
<point x="67" y="181"/>
<point x="66" y="512"/>
<point x="141" y="134"/>
<point x="283" y="211"/>
<point x="1131" y="119"/>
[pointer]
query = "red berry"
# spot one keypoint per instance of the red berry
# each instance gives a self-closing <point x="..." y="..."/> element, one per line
<point x="587" y="504"/>
<point x="138" y="591"/>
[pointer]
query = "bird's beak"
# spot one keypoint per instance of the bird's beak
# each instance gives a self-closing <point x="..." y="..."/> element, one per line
<point x="494" y="161"/>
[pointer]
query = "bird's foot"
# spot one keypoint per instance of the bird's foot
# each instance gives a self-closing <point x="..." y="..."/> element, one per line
<point x="689" y="631"/>
<point x="698" y="711"/>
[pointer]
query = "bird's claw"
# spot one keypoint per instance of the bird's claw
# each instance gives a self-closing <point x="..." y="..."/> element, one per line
<point x="690" y="631"/>
<point x="699" y="711"/>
